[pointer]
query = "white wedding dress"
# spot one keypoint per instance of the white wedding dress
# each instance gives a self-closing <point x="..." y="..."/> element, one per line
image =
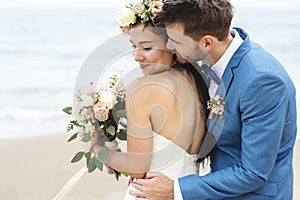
<point x="169" y="159"/>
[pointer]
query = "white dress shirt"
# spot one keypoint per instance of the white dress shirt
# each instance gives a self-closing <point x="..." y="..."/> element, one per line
<point x="219" y="68"/>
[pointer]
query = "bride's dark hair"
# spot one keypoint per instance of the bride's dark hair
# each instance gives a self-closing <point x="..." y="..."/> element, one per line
<point x="200" y="83"/>
<point x="202" y="92"/>
<point x="201" y="86"/>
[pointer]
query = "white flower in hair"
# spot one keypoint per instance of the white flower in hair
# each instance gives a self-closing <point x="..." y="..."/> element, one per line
<point x="143" y="11"/>
<point x="138" y="8"/>
<point x="126" y="17"/>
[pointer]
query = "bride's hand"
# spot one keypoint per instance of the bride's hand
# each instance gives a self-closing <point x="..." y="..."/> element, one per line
<point x="98" y="145"/>
<point x="155" y="186"/>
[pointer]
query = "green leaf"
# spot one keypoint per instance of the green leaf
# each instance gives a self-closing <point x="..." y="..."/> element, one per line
<point x="73" y="137"/>
<point x="86" y="137"/>
<point x="69" y="127"/>
<point x="99" y="164"/>
<point x="121" y="134"/>
<point x="121" y="113"/>
<point x="78" y="156"/>
<point x="91" y="165"/>
<point x="117" y="175"/>
<point x="103" y="154"/>
<point x="143" y="14"/>
<point x="146" y="18"/>
<point x="88" y="157"/>
<point x="152" y="20"/>
<point x="67" y="110"/>
<point x="74" y="122"/>
<point x="111" y="130"/>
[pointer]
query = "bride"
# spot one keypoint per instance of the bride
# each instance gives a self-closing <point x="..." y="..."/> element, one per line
<point x="166" y="108"/>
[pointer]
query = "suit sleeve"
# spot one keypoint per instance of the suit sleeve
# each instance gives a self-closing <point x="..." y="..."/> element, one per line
<point x="263" y="106"/>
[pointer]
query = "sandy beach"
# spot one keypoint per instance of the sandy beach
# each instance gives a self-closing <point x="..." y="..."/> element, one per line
<point x="37" y="168"/>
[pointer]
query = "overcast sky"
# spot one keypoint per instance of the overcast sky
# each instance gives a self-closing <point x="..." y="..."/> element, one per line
<point x="258" y="4"/>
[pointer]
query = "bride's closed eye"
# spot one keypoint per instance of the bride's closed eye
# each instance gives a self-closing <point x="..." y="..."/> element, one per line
<point x="143" y="48"/>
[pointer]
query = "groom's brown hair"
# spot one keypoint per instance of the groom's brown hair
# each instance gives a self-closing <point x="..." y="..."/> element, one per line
<point x="199" y="17"/>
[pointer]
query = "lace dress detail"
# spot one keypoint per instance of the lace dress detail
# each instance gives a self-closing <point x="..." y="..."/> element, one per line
<point x="169" y="159"/>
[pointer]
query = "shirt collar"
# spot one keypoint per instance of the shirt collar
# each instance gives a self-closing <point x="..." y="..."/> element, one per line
<point x="220" y="66"/>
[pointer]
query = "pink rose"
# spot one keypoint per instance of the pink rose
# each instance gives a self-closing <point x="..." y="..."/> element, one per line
<point x="155" y="7"/>
<point x="101" y="111"/>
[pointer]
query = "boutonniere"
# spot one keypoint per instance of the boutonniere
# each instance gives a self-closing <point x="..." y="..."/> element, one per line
<point x="216" y="105"/>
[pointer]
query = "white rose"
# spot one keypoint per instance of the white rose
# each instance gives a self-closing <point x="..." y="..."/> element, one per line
<point x="138" y="8"/>
<point x="108" y="99"/>
<point x="126" y="17"/>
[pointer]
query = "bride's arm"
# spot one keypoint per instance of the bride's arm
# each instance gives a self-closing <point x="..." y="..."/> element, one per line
<point x="136" y="162"/>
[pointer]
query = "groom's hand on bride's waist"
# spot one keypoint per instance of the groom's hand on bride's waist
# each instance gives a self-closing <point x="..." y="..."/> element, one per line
<point x="155" y="186"/>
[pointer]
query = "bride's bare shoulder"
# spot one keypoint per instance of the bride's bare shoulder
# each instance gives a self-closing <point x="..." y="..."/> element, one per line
<point x="162" y="85"/>
<point x="155" y="81"/>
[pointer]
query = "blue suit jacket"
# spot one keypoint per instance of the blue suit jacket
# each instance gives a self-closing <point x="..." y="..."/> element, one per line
<point x="253" y="155"/>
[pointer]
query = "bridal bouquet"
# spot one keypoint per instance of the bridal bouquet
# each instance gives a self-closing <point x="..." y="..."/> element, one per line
<point x="97" y="116"/>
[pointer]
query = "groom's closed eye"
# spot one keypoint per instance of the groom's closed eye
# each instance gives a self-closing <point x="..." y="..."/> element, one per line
<point x="147" y="48"/>
<point x="173" y="40"/>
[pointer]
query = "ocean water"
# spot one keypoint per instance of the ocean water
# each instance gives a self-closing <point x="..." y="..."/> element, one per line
<point x="42" y="51"/>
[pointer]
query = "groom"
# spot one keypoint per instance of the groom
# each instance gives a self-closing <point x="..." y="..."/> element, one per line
<point x="252" y="158"/>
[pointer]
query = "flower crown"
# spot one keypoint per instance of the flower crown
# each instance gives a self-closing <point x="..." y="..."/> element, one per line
<point x="141" y="11"/>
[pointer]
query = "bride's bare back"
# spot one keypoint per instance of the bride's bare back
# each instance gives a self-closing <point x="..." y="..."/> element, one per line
<point x="171" y="103"/>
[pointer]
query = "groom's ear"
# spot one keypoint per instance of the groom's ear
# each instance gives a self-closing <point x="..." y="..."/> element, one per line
<point x="207" y="42"/>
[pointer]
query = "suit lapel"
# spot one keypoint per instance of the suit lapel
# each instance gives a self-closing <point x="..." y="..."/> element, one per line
<point x="227" y="79"/>
<point x="215" y="125"/>
<point x="234" y="62"/>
